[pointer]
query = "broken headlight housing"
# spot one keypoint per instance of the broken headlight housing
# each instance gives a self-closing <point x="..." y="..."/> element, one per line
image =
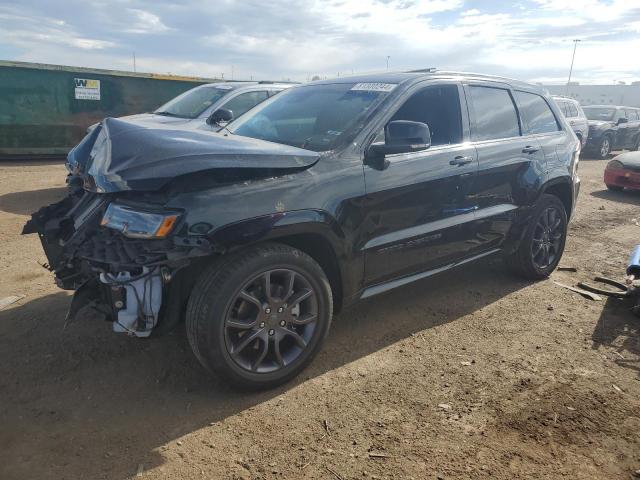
<point x="135" y="223"/>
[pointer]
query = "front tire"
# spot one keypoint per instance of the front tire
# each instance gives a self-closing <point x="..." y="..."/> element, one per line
<point x="258" y="317"/>
<point x="543" y="243"/>
<point x="615" y="188"/>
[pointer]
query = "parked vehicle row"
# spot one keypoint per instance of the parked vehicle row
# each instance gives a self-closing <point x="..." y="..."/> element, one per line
<point x="602" y="128"/>
<point x="325" y="194"/>
<point x="573" y="112"/>
<point x="612" y="128"/>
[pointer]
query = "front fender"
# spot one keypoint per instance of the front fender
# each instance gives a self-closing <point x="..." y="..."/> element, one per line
<point x="315" y="232"/>
<point x="276" y="225"/>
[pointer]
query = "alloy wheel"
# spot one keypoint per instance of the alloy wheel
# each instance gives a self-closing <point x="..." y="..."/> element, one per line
<point x="604" y="147"/>
<point x="547" y="237"/>
<point x="271" y="320"/>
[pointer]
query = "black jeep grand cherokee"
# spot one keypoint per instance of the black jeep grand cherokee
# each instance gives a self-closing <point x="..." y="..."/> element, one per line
<point x="325" y="194"/>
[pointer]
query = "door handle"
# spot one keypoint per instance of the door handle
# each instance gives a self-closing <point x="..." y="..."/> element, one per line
<point x="460" y="160"/>
<point x="529" y="149"/>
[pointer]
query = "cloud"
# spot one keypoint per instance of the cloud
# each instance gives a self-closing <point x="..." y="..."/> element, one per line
<point x="298" y="39"/>
<point x="145" y="22"/>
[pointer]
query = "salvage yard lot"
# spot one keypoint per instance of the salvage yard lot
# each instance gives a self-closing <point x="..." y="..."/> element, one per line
<point x="472" y="374"/>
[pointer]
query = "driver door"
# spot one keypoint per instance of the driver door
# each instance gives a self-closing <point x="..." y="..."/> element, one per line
<point x="419" y="210"/>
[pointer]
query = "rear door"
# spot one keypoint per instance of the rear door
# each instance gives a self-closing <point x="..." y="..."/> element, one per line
<point x="418" y="211"/>
<point x="508" y="161"/>
<point x="539" y="121"/>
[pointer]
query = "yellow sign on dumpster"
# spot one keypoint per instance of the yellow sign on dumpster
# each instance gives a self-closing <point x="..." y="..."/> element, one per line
<point x="87" y="89"/>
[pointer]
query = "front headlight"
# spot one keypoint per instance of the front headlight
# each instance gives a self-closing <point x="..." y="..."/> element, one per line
<point x="138" y="224"/>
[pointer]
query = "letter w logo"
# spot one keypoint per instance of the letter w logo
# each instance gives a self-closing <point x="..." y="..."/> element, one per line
<point x="80" y="82"/>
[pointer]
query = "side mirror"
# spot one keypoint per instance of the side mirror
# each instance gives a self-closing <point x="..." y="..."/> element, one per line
<point x="222" y="115"/>
<point x="401" y="136"/>
<point x="622" y="120"/>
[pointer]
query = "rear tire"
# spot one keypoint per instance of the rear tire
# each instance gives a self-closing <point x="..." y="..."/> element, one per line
<point x="543" y="243"/>
<point x="259" y="316"/>
<point x="604" y="147"/>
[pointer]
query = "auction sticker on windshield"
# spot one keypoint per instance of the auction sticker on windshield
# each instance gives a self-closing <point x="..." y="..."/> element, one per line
<point x="374" y="87"/>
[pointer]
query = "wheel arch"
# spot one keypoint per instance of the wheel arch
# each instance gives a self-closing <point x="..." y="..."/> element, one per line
<point x="314" y="232"/>
<point x="560" y="187"/>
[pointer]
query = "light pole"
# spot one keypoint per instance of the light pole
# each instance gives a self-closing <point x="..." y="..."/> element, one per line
<point x="388" y="57"/>
<point x="575" y="45"/>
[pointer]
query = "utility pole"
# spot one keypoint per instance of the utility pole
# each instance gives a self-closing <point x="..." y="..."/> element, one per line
<point x="134" y="61"/>
<point x="388" y="57"/>
<point x="575" y="45"/>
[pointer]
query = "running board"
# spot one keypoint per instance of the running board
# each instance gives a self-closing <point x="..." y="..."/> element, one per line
<point x="390" y="285"/>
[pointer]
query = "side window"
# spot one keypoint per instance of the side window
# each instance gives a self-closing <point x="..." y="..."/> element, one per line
<point x="244" y="102"/>
<point x="635" y="115"/>
<point x="572" y="110"/>
<point x="630" y="114"/>
<point x="536" y="113"/>
<point x="495" y="115"/>
<point x="563" y="107"/>
<point x="438" y="107"/>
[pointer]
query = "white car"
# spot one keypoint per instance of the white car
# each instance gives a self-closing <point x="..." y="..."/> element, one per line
<point x="574" y="114"/>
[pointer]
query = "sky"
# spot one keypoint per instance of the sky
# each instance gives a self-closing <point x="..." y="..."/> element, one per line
<point x="530" y="40"/>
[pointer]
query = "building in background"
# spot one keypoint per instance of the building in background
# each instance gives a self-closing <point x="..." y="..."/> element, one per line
<point x="627" y="95"/>
<point x="46" y="109"/>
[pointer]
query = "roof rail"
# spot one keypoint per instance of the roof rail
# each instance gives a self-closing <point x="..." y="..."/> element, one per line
<point x="274" y="81"/>
<point x="423" y="70"/>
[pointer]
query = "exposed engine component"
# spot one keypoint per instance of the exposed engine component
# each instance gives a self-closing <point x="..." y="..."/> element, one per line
<point x="136" y="299"/>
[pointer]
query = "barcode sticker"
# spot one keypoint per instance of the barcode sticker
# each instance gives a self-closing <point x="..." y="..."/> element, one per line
<point x="374" y="87"/>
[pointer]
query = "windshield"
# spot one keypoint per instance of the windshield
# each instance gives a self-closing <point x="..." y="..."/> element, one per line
<point x="599" y="113"/>
<point x="314" y="117"/>
<point x="192" y="103"/>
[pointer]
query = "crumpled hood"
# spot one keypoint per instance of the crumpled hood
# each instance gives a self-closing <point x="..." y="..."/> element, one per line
<point x="128" y="155"/>
<point x="152" y="119"/>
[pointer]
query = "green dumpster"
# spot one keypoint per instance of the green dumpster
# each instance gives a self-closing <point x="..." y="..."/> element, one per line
<point x="46" y="109"/>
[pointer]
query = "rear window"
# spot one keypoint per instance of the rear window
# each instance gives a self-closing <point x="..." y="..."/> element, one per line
<point x="536" y="113"/>
<point x="563" y="107"/>
<point x="494" y="114"/>
<point x="572" y="111"/>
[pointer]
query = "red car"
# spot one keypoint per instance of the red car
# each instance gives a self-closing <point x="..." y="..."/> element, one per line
<point x="623" y="172"/>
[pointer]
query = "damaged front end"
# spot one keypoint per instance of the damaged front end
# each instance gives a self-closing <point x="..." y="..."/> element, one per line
<point x="116" y="241"/>
<point x="118" y="257"/>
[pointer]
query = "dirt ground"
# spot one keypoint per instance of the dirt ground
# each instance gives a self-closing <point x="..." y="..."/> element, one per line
<point x="473" y="374"/>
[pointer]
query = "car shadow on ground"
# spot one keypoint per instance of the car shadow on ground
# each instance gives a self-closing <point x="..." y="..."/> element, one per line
<point x="27" y="202"/>
<point x="6" y="162"/>
<point x="619" y="329"/>
<point x="85" y="399"/>
<point x="626" y="196"/>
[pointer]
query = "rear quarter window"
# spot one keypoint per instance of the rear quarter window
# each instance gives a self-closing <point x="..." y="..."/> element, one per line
<point x="536" y="113"/>
<point x="563" y="107"/>
<point x="494" y="114"/>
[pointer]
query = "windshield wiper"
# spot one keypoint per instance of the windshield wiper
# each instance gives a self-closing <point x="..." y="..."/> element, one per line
<point x="167" y="114"/>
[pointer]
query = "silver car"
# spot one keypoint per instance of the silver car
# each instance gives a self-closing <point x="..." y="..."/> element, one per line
<point x="213" y="103"/>
<point x="209" y="105"/>
<point x="574" y="114"/>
